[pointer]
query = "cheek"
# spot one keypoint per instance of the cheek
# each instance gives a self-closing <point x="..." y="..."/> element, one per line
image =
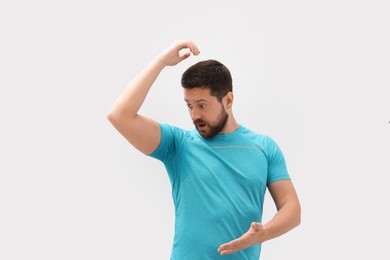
<point x="212" y="117"/>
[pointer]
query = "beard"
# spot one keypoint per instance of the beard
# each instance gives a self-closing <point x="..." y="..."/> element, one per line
<point x="212" y="129"/>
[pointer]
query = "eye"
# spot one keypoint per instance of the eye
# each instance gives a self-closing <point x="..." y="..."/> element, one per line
<point x="189" y="106"/>
<point x="203" y="106"/>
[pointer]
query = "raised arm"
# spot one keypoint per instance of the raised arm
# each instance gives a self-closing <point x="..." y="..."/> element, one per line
<point x="142" y="132"/>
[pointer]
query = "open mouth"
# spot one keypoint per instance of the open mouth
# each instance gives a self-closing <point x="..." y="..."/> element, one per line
<point x="201" y="126"/>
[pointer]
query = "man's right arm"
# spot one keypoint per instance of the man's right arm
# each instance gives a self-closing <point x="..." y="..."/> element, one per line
<point x="142" y="132"/>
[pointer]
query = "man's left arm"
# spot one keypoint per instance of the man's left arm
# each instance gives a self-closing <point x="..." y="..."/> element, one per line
<point x="288" y="216"/>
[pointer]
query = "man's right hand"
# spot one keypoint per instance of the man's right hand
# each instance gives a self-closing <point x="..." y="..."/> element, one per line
<point x="171" y="56"/>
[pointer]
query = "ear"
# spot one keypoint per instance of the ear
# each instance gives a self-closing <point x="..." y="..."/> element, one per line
<point x="228" y="100"/>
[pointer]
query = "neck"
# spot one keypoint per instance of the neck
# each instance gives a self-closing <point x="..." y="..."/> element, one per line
<point x="231" y="125"/>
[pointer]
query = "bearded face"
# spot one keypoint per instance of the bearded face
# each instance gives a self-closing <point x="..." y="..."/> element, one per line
<point x="207" y="112"/>
<point x="210" y="129"/>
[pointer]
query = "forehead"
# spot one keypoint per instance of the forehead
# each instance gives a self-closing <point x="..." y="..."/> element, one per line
<point x="197" y="94"/>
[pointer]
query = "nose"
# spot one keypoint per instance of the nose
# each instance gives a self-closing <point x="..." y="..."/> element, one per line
<point x="195" y="114"/>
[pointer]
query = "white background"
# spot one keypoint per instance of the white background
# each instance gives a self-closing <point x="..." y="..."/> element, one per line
<point x="314" y="75"/>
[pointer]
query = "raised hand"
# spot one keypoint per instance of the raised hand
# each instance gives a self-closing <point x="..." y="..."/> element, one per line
<point x="254" y="235"/>
<point x="171" y="56"/>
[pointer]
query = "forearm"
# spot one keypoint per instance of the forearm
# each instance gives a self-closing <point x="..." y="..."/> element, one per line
<point x="287" y="218"/>
<point x="284" y="220"/>
<point x="132" y="98"/>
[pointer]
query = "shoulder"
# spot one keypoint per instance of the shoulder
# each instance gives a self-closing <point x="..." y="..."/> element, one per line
<point x="257" y="137"/>
<point x="176" y="132"/>
<point x="172" y="140"/>
<point x="267" y="143"/>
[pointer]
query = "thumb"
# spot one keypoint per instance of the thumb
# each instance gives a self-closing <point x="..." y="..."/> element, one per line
<point x="185" y="56"/>
<point x="255" y="225"/>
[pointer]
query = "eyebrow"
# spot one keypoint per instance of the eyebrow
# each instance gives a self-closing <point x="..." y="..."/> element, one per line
<point x="197" y="101"/>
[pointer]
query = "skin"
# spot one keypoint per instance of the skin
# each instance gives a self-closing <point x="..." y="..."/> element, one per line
<point x="208" y="113"/>
<point x="287" y="217"/>
<point x="144" y="134"/>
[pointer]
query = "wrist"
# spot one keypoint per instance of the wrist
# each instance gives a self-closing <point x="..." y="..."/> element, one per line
<point x="158" y="63"/>
<point x="266" y="234"/>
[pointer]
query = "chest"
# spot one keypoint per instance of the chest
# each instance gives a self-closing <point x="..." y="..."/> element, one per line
<point x="234" y="165"/>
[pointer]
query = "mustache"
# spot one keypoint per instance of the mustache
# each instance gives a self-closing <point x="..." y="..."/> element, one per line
<point x="199" y="121"/>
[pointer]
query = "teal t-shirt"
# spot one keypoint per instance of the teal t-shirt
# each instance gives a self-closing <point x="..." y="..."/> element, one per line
<point x="218" y="187"/>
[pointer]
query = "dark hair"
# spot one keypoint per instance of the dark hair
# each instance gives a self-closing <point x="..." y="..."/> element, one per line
<point x="209" y="74"/>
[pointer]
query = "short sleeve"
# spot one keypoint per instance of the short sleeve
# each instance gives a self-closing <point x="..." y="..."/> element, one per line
<point x="277" y="169"/>
<point x="170" y="143"/>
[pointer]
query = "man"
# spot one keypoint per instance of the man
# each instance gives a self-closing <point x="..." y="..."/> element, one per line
<point x="219" y="171"/>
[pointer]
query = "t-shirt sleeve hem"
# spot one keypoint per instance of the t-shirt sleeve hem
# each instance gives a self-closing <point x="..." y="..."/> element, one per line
<point x="153" y="154"/>
<point x="278" y="178"/>
<point x="161" y="153"/>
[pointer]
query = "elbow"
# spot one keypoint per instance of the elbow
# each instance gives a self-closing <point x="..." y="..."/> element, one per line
<point x="298" y="221"/>
<point x="114" y="115"/>
<point x="294" y="210"/>
<point x="113" y="118"/>
<point x="298" y="214"/>
<point x="110" y="116"/>
<point x="119" y="118"/>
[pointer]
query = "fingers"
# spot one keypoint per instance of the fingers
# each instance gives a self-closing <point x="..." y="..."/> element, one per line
<point x="232" y="246"/>
<point x="227" y="248"/>
<point x="193" y="48"/>
<point x="246" y="240"/>
<point x="172" y="56"/>
<point x="187" y="44"/>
